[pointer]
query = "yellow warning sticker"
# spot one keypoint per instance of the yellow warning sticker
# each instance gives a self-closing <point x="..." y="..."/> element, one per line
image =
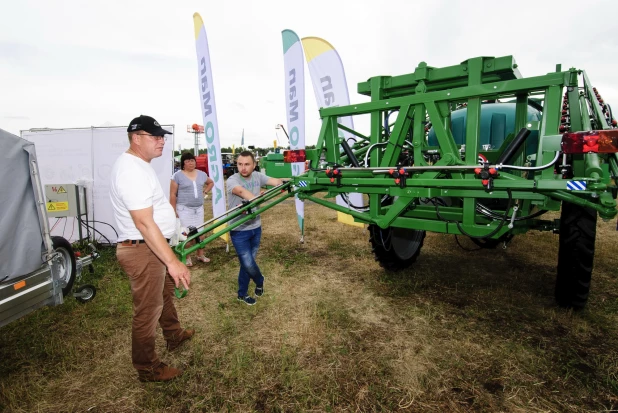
<point x="61" y="190"/>
<point x="57" y="206"/>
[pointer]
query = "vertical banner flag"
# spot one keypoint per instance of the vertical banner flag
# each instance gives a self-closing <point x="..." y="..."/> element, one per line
<point x="331" y="89"/>
<point x="294" y="68"/>
<point x="242" y="138"/>
<point x="209" y="114"/>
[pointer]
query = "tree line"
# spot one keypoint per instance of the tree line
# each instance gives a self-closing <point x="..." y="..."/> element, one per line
<point x="256" y="151"/>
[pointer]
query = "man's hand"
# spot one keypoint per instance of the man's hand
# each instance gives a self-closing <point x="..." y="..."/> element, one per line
<point x="144" y="222"/>
<point x="180" y="274"/>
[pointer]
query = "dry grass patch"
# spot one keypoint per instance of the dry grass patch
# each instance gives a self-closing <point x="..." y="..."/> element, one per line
<point x="459" y="331"/>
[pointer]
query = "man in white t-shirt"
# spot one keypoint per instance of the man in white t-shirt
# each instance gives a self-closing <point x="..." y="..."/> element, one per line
<point x="145" y="218"/>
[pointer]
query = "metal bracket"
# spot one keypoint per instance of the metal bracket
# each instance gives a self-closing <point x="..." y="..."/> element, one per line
<point x="400" y="176"/>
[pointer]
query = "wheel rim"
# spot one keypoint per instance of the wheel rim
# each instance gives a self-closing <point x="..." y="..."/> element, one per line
<point x="88" y="293"/>
<point x="65" y="264"/>
<point x="405" y="242"/>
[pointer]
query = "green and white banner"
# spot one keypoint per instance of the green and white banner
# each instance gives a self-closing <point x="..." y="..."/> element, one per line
<point x="331" y="89"/>
<point x="294" y="77"/>
<point x="209" y="115"/>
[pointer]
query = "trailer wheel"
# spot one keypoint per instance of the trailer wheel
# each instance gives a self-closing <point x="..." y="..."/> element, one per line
<point x="575" y="255"/>
<point x="67" y="262"/>
<point x="395" y="248"/>
<point x="86" y="293"/>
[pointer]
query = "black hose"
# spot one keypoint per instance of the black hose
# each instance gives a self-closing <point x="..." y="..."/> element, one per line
<point x="505" y="218"/>
<point x="344" y="196"/>
<point x="96" y="230"/>
<point x="513" y="146"/>
<point x="464" y="248"/>
<point x="101" y="222"/>
<point x="491" y="214"/>
<point x="348" y="151"/>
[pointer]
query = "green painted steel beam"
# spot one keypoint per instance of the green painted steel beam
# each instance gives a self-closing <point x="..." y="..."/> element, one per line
<point x="444" y="135"/>
<point x="219" y="227"/>
<point x="394" y="210"/>
<point x="353" y="132"/>
<point x="450" y="228"/>
<point x="487" y="90"/>
<point x="362" y="217"/>
<point x="597" y="112"/>
<point x="397" y="138"/>
<point x="431" y="94"/>
<point x="494" y="69"/>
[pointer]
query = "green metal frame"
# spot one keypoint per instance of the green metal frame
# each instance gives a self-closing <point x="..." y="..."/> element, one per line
<point x="429" y="96"/>
<point x="218" y="226"/>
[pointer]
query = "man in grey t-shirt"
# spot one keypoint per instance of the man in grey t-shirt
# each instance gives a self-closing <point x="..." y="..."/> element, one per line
<point x="246" y="185"/>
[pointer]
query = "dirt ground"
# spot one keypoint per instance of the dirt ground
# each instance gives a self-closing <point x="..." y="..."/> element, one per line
<point x="461" y="330"/>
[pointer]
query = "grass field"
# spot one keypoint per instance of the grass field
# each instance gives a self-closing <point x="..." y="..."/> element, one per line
<point x="462" y="330"/>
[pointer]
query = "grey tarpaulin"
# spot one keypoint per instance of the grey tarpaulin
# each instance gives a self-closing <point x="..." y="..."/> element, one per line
<point x="21" y="234"/>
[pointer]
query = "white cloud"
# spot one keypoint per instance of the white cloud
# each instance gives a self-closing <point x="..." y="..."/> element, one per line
<point x="76" y="64"/>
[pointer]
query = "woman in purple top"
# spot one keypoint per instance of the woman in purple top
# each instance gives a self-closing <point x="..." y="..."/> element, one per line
<point x="187" y="191"/>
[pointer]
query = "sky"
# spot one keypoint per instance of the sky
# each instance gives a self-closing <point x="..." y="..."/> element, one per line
<point x="71" y="64"/>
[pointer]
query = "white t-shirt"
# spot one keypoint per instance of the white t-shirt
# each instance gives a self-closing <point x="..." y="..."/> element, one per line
<point x="134" y="185"/>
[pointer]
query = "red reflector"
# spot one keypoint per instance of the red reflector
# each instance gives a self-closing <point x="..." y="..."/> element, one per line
<point x="296" y="155"/>
<point x="601" y="141"/>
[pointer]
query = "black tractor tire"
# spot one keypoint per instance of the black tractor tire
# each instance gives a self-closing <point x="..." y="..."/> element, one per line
<point x="575" y="255"/>
<point x="395" y="248"/>
<point x="68" y="267"/>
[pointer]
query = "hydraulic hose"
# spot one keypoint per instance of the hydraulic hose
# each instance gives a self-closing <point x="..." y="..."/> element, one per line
<point x="349" y="153"/>
<point x="514" y="145"/>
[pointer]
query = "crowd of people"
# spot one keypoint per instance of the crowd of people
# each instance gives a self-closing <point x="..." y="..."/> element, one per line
<point x="147" y="219"/>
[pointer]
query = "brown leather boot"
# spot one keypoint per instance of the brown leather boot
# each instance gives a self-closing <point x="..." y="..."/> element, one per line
<point x="162" y="372"/>
<point x="174" y="344"/>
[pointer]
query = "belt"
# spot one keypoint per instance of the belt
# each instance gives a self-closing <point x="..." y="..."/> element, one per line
<point x="135" y="241"/>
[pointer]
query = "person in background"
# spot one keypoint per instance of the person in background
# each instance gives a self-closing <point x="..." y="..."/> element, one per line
<point x="245" y="185"/>
<point x="188" y="188"/>
<point x="145" y="219"/>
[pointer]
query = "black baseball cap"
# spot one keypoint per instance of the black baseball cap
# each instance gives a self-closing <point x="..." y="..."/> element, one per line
<point x="147" y="124"/>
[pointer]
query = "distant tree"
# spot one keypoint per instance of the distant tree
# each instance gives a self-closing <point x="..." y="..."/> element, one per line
<point x="237" y="149"/>
<point x="255" y="150"/>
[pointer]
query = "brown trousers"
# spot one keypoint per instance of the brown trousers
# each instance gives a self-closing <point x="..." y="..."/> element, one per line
<point x="152" y="289"/>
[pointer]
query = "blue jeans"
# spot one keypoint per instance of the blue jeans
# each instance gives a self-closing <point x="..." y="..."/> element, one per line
<point x="247" y="244"/>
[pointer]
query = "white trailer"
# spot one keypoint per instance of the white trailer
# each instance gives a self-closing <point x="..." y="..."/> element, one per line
<point x="36" y="269"/>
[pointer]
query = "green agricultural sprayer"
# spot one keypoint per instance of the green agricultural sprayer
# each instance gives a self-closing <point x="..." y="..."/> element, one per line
<point x="472" y="149"/>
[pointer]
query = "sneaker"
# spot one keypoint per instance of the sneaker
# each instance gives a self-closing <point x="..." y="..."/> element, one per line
<point x="162" y="373"/>
<point x="186" y="335"/>
<point x="259" y="291"/>
<point x="247" y="299"/>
